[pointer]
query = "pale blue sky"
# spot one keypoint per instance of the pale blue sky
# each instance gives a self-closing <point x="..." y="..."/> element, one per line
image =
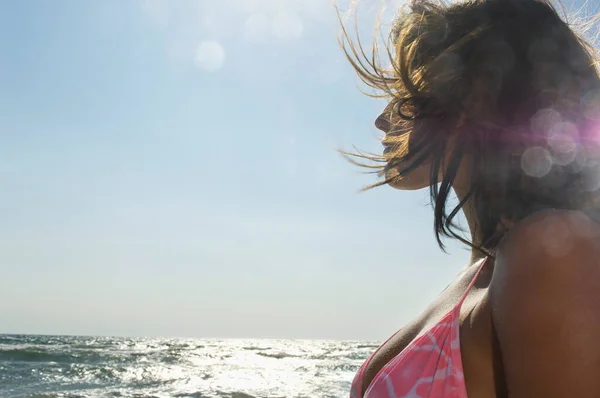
<point x="169" y="168"/>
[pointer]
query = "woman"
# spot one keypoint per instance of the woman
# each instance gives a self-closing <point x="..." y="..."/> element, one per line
<point x="498" y="100"/>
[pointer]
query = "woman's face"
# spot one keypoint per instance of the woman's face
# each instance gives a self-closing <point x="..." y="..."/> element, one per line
<point x="418" y="178"/>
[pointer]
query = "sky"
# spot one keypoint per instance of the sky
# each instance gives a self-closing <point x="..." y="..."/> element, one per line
<point x="169" y="168"/>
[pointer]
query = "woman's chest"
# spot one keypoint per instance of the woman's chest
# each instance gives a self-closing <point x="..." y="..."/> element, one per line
<point x="471" y="327"/>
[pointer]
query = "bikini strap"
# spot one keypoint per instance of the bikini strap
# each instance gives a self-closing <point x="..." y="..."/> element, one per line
<point x="480" y="267"/>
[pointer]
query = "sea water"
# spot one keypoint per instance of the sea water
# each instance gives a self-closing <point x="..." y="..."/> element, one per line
<point x="71" y="366"/>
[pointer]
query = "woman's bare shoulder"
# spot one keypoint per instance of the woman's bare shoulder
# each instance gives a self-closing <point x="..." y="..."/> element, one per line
<point x="545" y="301"/>
<point x="550" y="242"/>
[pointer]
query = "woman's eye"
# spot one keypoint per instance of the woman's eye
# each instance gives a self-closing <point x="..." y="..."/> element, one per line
<point x="412" y="108"/>
<point x="407" y="108"/>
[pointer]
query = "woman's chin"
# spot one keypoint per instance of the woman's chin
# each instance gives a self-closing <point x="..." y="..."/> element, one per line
<point x="412" y="182"/>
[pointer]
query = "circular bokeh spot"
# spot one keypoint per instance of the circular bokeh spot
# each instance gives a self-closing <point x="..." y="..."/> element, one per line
<point x="536" y="162"/>
<point x="210" y="56"/>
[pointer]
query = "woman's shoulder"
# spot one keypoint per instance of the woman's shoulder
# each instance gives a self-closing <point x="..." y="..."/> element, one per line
<point x="549" y="239"/>
<point x="552" y="252"/>
<point x="545" y="302"/>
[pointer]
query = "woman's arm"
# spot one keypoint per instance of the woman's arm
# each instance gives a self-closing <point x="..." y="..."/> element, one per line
<point x="545" y="297"/>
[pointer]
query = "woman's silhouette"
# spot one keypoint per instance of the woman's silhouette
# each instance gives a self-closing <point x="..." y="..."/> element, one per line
<point x="498" y="100"/>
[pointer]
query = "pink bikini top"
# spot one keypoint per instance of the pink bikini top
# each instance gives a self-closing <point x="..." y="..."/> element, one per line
<point x="429" y="367"/>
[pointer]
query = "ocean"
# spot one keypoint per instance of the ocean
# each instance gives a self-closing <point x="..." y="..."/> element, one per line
<point x="82" y="367"/>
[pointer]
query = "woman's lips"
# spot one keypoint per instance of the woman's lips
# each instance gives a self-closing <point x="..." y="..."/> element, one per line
<point x="387" y="148"/>
<point x="387" y="143"/>
<point x="391" y="140"/>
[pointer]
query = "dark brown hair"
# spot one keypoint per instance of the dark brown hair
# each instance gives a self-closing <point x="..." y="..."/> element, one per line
<point x="507" y="82"/>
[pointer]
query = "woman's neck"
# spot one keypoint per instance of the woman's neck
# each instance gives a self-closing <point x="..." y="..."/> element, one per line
<point x="471" y="217"/>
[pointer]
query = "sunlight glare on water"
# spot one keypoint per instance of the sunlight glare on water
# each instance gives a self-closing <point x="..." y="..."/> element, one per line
<point x="127" y="367"/>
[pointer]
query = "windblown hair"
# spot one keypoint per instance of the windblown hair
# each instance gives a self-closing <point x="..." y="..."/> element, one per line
<point x="508" y="83"/>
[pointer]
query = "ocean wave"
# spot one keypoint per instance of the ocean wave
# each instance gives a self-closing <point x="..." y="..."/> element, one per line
<point x="91" y="367"/>
<point x="237" y="395"/>
<point x="190" y="395"/>
<point x="253" y="348"/>
<point x="370" y="346"/>
<point x="277" y="355"/>
<point x="44" y="354"/>
<point x="75" y="354"/>
<point x="33" y="355"/>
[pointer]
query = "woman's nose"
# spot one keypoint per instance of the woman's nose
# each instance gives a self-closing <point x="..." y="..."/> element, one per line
<point x="382" y="124"/>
